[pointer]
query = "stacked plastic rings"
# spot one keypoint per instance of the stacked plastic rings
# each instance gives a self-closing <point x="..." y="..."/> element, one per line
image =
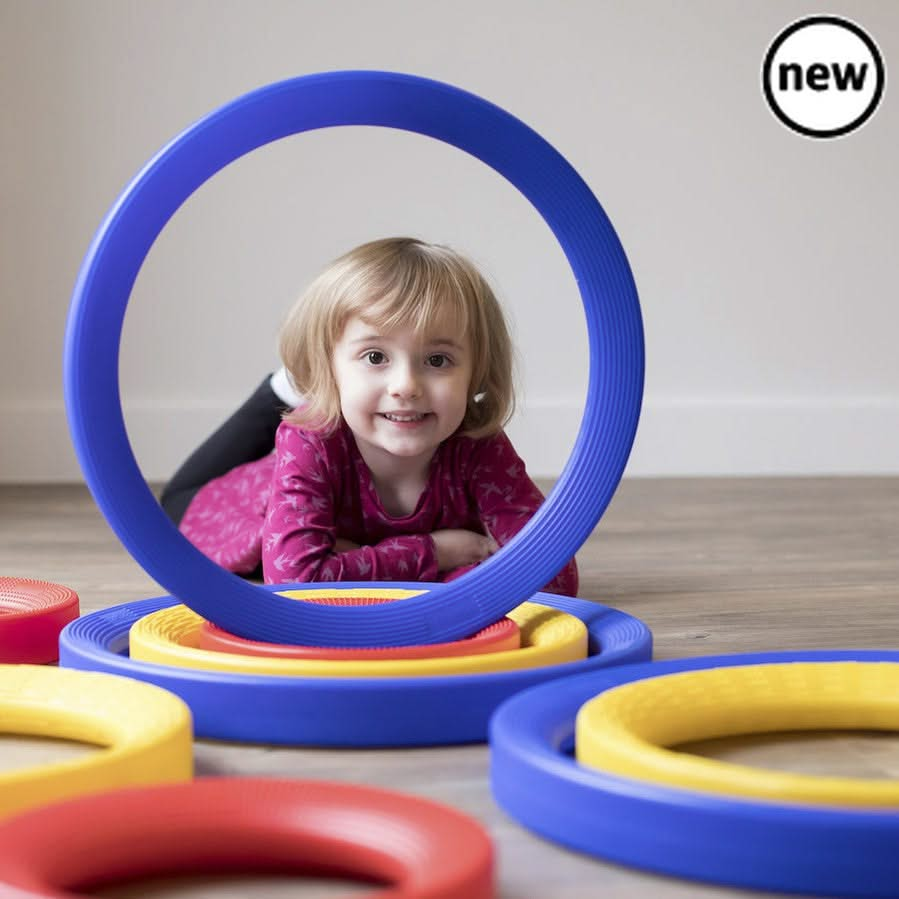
<point x="344" y="711"/>
<point x="501" y="636"/>
<point x="549" y="637"/>
<point x="32" y="613"/>
<point x="666" y="826"/>
<point x="627" y="730"/>
<point x="144" y="733"/>
<point x="420" y="849"/>
<point x="612" y="312"/>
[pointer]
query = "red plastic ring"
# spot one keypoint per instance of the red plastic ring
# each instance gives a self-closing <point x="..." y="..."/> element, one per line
<point x="416" y="848"/>
<point x="500" y="636"/>
<point x="32" y="613"/>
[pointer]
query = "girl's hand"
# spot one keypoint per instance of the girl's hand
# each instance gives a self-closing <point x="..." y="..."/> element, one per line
<point x="342" y="545"/>
<point x="456" y="547"/>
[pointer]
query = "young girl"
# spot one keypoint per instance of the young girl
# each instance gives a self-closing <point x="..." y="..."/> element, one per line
<point x="394" y="464"/>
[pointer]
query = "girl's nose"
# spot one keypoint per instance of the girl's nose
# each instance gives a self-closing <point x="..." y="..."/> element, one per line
<point x="404" y="382"/>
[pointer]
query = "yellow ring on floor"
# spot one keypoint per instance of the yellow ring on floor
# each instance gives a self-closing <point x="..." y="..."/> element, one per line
<point x="144" y="734"/>
<point x="548" y="637"/>
<point x="625" y="730"/>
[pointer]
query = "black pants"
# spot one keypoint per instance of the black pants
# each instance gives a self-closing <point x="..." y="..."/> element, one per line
<point x="247" y="435"/>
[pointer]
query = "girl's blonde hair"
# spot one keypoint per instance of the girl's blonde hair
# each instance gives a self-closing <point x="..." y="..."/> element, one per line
<point x="399" y="281"/>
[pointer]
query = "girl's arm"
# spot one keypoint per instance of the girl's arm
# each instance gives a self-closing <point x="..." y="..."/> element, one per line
<point x="299" y="536"/>
<point x="507" y="499"/>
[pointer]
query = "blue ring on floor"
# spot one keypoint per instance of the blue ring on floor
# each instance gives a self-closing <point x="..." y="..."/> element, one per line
<point x="409" y="103"/>
<point x="316" y="711"/>
<point x="761" y="845"/>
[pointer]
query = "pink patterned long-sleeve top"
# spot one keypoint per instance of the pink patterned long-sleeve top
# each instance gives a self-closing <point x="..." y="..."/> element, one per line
<point x="289" y="509"/>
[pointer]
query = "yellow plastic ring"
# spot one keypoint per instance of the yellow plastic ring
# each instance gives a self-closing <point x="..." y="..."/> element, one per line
<point x="548" y="637"/>
<point x="625" y="730"/>
<point x="145" y="733"/>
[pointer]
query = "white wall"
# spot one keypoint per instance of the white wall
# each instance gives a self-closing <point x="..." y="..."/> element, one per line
<point x="765" y="261"/>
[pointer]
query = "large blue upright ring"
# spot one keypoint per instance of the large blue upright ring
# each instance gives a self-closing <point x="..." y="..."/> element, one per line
<point x="322" y="101"/>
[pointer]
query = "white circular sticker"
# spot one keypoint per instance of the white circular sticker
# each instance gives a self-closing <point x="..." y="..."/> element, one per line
<point x="823" y="76"/>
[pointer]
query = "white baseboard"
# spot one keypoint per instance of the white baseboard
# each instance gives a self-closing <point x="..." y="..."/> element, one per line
<point x="733" y="436"/>
<point x="677" y="437"/>
<point x="768" y="436"/>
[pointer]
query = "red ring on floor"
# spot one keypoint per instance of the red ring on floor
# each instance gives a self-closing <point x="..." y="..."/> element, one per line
<point x="500" y="636"/>
<point x="417" y="848"/>
<point x="32" y="613"/>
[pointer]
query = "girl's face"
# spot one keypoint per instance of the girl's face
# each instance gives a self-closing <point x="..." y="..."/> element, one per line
<point x="400" y="394"/>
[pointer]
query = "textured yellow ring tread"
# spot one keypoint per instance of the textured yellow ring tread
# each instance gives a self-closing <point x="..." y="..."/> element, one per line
<point x="548" y="637"/>
<point x="144" y="734"/>
<point x="625" y="730"/>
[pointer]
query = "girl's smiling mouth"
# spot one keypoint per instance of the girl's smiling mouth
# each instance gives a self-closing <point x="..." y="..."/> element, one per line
<point x="405" y="418"/>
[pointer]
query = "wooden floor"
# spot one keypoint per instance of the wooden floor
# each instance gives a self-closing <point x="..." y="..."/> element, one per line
<point x="712" y="566"/>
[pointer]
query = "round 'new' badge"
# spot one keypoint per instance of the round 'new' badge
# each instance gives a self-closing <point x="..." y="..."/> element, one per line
<point x="823" y="76"/>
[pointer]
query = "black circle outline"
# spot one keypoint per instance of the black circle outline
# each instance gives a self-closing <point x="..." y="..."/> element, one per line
<point x="866" y="39"/>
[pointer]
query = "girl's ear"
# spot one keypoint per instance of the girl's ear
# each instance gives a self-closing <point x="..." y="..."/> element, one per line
<point x="479" y="397"/>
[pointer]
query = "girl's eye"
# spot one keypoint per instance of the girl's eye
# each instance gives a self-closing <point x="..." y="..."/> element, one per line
<point x="375" y="357"/>
<point x="438" y="360"/>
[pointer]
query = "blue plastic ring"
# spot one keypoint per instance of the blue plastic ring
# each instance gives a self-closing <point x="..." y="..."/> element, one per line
<point x="762" y="845"/>
<point x="343" y="711"/>
<point x="391" y="100"/>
